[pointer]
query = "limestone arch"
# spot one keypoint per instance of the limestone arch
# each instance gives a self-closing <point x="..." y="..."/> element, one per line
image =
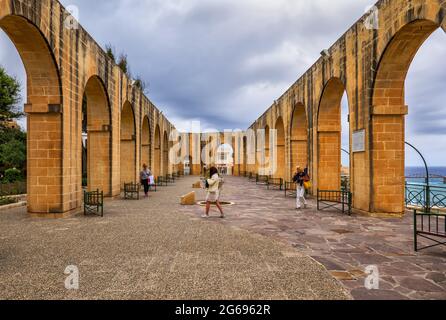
<point x="299" y="138"/>
<point x="388" y="116"/>
<point x="157" y="152"/>
<point x="97" y="129"/>
<point x="329" y="130"/>
<point x="278" y="154"/>
<point x="146" y="143"/>
<point x="128" y="144"/>
<point x="44" y="115"/>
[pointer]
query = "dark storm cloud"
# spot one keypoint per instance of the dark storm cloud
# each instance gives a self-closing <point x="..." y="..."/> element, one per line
<point x="220" y="61"/>
<point x="225" y="61"/>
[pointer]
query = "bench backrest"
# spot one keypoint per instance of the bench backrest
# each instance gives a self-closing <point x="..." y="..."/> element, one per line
<point x="94" y="197"/>
<point x="131" y="187"/>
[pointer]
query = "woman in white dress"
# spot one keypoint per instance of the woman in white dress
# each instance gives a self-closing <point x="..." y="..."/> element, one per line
<point x="213" y="192"/>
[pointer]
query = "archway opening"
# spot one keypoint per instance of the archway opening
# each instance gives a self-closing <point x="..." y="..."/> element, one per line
<point x="44" y="116"/>
<point x="225" y="159"/>
<point x="263" y="159"/>
<point x="299" y="138"/>
<point x="96" y="131"/>
<point x="128" y="145"/>
<point x="329" y="136"/>
<point x="146" y="143"/>
<point x="279" y="157"/>
<point x="388" y="117"/>
<point x="157" y="151"/>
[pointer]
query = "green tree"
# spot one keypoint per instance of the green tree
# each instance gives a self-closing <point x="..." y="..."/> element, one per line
<point x="9" y="97"/>
<point x="110" y="52"/>
<point x="12" y="175"/>
<point x="123" y="63"/>
<point x="13" y="154"/>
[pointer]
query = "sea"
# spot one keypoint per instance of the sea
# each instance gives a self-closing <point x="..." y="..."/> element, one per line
<point x="415" y="187"/>
<point x="421" y="172"/>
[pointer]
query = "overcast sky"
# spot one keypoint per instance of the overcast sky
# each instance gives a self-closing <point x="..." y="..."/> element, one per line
<point x="224" y="62"/>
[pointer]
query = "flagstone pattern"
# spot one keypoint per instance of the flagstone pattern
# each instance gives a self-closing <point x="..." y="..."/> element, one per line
<point x="344" y="245"/>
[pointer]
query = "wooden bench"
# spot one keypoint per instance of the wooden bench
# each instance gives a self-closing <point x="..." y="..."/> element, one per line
<point x="161" y="181"/>
<point x="275" y="183"/>
<point x="170" y="179"/>
<point x="131" y="191"/>
<point x="429" y="226"/>
<point x="262" y="180"/>
<point x="252" y="177"/>
<point x="290" y="189"/>
<point x="94" y="203"/>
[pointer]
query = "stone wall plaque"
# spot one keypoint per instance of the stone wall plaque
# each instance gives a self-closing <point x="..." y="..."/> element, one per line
<point x="358" y="141"/>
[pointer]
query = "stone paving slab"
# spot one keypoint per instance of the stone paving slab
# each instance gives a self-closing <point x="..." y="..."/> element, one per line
<point x="149" y="249"/>
<point x="344" y="245"/>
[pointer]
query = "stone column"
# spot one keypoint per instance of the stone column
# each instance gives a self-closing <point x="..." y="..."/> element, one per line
<point x="45" y="159"/>
<point x="388" y="160"/>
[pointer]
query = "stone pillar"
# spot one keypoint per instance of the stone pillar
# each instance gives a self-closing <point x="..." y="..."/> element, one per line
<point x="45" y="159"/>
<point x="98" y="159"/>
<point x="388" y="160"/>
<point x="329" y="160"/>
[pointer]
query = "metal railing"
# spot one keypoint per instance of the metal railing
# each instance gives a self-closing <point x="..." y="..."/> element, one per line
<point x="425" y="197"/>
<point x="431" y="227"/>
<point x="334" y="200"/>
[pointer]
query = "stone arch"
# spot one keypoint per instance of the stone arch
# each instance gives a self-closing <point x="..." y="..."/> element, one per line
<point x="388" y="117"/>
<point x="97" y="127"/>
<point x="128" y="144"/>
<point x="157" y="148"/>
<point x="44" y="115"/>
<point x="299" y="138"/>
<point x="329" y="136"/>
<point x="146" y="143"/>
<point x="165" y="169"/>
<point x="278" y="153"/>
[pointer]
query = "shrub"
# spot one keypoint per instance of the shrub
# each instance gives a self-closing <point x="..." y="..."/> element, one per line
<point x="12" y="175"/>
<point x="5" y="201"/>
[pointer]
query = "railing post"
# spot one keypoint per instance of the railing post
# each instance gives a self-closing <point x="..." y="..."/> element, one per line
<point x="427" y="199"/>
<point x="415" y="227"/>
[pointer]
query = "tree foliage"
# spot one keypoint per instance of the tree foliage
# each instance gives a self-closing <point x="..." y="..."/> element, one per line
<point x="124" y="64"/>
<point x="12" y="140"/>
<point x="9" y="97"/>
<point x="13" y="154"/>
<point x="12" y="175"/>
<point x="110" y="52"/>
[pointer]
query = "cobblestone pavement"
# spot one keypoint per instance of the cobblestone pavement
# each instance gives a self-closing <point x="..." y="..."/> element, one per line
<point x="344" y="245"/>
<point x="149" y="249"/>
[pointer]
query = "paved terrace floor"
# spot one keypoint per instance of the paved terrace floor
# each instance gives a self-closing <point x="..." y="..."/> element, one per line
<point x="344" y="245"/>
<point x="151" y="249"/>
